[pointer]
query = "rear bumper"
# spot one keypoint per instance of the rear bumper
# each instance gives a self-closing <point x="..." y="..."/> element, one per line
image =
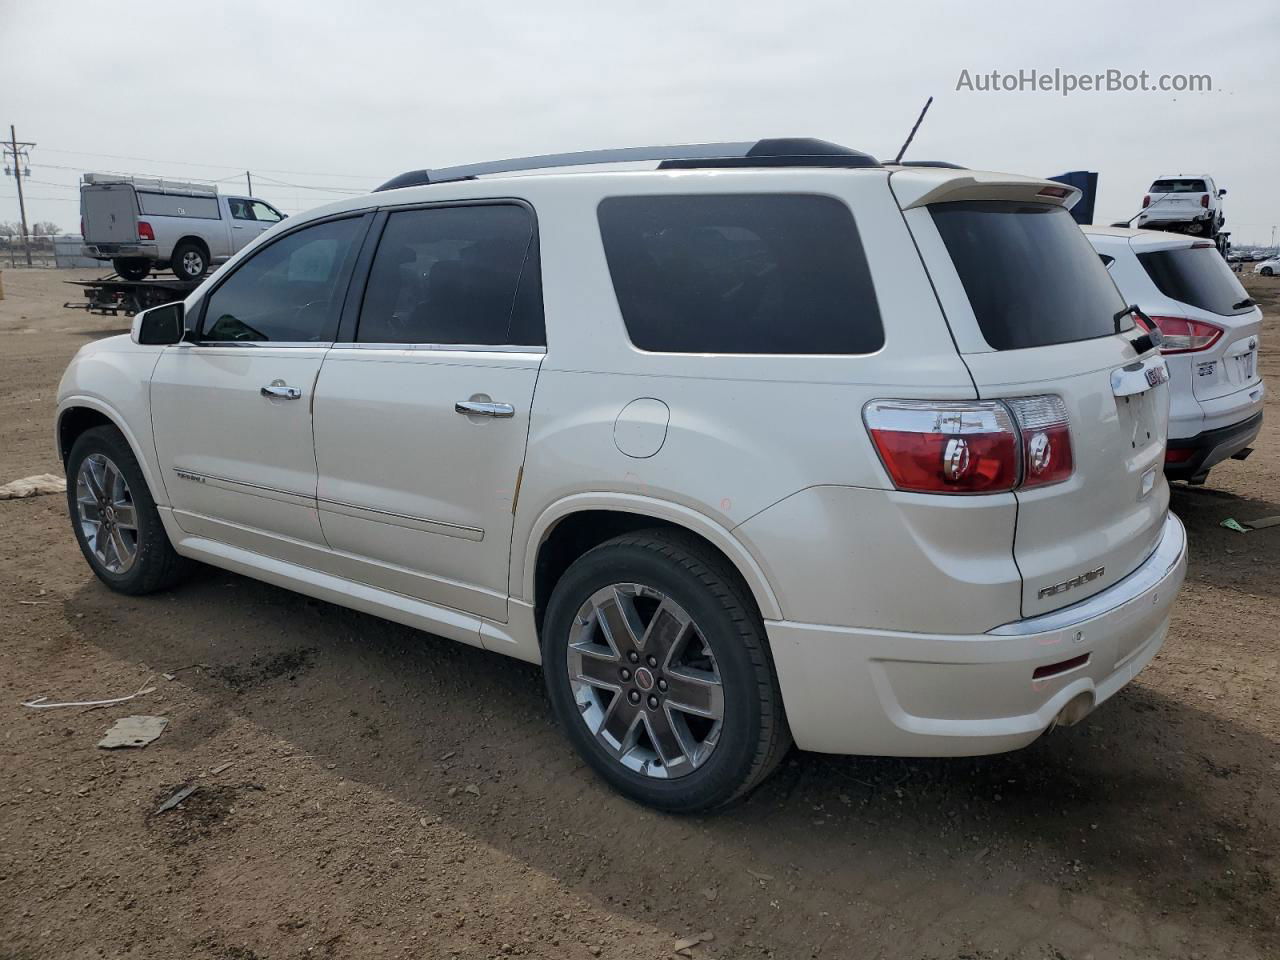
<point x="1211" y="447"/>
<point x="855" y="690"/>
<point x="109" y="251"/>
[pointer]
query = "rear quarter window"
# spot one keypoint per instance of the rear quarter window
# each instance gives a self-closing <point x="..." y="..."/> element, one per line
<point x="170" y="205"/>
<point x="740" y="274"/>
<point x="1197" y="276"/>
<point x="1031" y="276"/>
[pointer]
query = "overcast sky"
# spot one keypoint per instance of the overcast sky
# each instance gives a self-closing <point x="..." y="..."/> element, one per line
<point x="339" y="96"/>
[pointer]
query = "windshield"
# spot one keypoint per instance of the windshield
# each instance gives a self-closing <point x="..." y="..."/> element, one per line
<point x="1032" y="277"/>
<point x="1197" y="276"/>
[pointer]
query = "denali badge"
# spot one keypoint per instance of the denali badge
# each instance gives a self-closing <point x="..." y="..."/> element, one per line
<point x="1066" y="585"/>
<point x="193" y="477"/>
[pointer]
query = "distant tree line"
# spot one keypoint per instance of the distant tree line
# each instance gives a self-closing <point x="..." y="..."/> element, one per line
<point x="41" y="228"/>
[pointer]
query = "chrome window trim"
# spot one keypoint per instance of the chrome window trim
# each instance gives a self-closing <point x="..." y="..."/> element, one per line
<point x="260" y="344"/>
<point x="443" y="527"/>
<point x="448" y="347"/>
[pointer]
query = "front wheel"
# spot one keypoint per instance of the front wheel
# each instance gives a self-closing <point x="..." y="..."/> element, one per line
<point x="114" y="517"/>
<point x="657" y="667"/>
<point x="1266" y="271"/>
<point x="189" y="261"/>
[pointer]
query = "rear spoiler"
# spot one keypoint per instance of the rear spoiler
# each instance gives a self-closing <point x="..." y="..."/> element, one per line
<point x="921" y="186"/>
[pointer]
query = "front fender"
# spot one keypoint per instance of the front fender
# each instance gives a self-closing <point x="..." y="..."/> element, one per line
<point x="114" y="379"/>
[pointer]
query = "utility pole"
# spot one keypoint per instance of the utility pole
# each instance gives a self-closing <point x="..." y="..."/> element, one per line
<point x="249" y="180"/>
<point x="18" y="151"/>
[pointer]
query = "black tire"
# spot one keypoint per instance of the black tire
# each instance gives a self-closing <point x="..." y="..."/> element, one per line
<point x="753" y="736"/>
<point x="1266" y="271"/>
<point x="156" y="565"/>
<point x="189" y="261"/>
<point x="131" y="268"/>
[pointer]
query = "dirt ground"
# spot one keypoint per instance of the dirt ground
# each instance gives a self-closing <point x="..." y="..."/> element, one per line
<point x="392" y="794"/>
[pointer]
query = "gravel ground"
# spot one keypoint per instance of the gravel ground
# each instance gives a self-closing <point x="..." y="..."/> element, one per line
<point x="391" y="794"/>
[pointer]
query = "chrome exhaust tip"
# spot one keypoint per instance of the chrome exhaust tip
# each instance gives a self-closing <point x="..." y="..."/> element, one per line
<point x="1077" y="708"/>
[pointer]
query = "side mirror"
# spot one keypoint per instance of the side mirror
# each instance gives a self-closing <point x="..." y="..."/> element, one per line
<point x="1222" y="193"/>
<point x="160" y="326"/>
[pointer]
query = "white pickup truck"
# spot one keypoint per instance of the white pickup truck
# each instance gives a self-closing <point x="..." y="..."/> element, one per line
<point x="1183" y="204"/>
<point x="139" y="223"/>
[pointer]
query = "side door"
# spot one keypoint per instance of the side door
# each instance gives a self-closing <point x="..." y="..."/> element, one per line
<point x="264" y="215"/>
<point x="421" y="419"/>
<point x="231" y="409"/>
<point x="243" y="225"/>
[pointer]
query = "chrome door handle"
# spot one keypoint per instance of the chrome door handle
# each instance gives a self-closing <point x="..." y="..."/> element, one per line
<point x="476" y="408"/>
<point x="282" y="392"/>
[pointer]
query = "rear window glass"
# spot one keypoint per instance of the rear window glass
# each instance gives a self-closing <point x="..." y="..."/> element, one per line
<point x="1197" y="276"/>
<point x="1032" y="277"/>
<point x="1178" y="186"/>
<point x="733" y="273"/>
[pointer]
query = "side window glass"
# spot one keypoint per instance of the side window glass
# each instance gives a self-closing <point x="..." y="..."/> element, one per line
<point x="264" y="213"/>
<point x="240" y="209"/>
<point x="466" y="274"/>
<point x="290" y="291"/>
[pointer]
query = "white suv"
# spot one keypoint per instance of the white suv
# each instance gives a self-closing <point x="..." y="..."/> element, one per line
<point x="1211" y="328"/>
<point x="1184" y="204"/>
<point x="769" y="442"/>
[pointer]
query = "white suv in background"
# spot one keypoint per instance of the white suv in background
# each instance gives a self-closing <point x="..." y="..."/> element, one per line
<point x="1211" y="329"/>
<point x="1185" y="204"/>
<point x="767" y="441"/>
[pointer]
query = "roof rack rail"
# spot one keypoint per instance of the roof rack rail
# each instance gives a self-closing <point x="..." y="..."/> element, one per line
<point x="945" y="164"/>
<point x="780" y="152"/>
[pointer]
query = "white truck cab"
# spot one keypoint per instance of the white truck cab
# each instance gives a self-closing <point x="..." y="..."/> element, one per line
<point x="140" y="224"/>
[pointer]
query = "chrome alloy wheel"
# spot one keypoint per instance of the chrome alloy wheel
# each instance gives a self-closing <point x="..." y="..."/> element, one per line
<point x="106" y="513"/>
<point x="193" y="263"/>
<point x="645" y="681"/>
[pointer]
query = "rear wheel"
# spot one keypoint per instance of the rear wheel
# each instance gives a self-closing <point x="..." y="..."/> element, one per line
<point x="114" y="517"/>
<point x="1266" y="271"/>
<point x="656" y="665"/>
<point x="189" y="261"/>
<point x="131" y="268"/>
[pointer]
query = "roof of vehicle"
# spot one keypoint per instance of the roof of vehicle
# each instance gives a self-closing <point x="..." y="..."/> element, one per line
<point x="1185" y="176"/>
<point x="1144" y="239"/>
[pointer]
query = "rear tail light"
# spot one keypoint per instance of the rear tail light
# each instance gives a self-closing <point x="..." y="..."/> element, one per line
<point x="1204" y="201"/>
<point x="1046" y="439"/>
<point x="144" y="231"/>
<point x="971" y="446"/>
<point x="1146" y="201"/>
<point x="1182" y="335"/>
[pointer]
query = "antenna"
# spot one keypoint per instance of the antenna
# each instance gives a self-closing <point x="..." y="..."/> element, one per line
<point x="912" y="135"/>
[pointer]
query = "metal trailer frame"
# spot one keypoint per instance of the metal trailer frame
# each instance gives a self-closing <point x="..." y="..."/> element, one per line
<point x="111" y="296"/>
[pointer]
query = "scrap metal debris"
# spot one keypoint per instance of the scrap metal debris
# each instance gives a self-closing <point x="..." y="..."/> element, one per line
<point x="133" y="732"/>
<point x="222" y="766"/>
<point x="177" y="798"/>
<point x="39" y="702"/>
<point x="41" y="483"/>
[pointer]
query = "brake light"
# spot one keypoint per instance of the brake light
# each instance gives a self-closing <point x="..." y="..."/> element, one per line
<point x="1204" y="200"/>
<point x="1046" y="439"/>
<point x="144" y="231"/>
<point x="971" y="446"/>
<point x="1146" y="201"/>
<point x="1182" y="335"/>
